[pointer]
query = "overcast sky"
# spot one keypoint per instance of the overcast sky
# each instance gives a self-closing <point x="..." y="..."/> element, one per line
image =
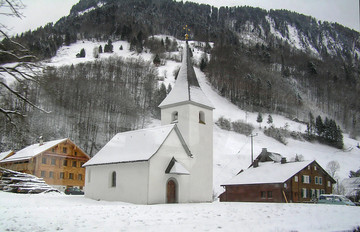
<point x="346" y="12"/>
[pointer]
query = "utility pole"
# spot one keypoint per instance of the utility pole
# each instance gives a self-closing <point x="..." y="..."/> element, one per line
<point x="252" y="145"/>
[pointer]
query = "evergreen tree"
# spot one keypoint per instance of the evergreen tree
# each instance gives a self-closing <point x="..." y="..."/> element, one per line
<point x="319" y="126"/>
<point x="82" y="52"/>
<point x="109" y="47"/>
<point x="269" y="120"/>
<point x="169" y="88"/>
<point x="157" y="60"/>
<point x="259" y="119"/>
<point x="311" y="124"/>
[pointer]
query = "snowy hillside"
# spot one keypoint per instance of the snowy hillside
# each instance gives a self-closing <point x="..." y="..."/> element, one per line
<point x="231" y="150"/>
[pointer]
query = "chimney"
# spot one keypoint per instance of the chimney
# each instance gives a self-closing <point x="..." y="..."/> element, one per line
<point x="41" y="141"/>
<point x="283" y="160"/>
<point x="256" y="163"/>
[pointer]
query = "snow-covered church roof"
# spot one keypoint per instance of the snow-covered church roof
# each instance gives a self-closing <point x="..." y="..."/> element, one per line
<point x="134" y="146"/>
<point x="187" y="88"/>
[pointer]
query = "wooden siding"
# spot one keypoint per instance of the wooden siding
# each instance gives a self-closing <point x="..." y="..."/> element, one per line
<point x="313" y="171"/>
<point x="292" y="189"/>
<point x="50" y="165"/>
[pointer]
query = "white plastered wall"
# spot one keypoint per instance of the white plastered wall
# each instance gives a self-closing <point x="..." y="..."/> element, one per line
<point x="131" y="182"/>
<point x="158" y="179"/>
<point x="199" y="138"/>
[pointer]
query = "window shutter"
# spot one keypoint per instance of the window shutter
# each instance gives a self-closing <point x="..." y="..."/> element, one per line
<point x="302" y="179"/>
<point x="310" y="179"/>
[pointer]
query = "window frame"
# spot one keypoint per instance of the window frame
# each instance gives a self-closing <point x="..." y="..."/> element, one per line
<point x="113" y="179"/>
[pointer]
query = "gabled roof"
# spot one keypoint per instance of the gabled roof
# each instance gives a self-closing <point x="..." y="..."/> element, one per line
<point x="32" y="151"/>
<point x="135" y="146"/>
<point x="187" y="88"/>
<point x="269" y="173"/>
<point x="177" y="168"/>
<point x="5" y="154"/>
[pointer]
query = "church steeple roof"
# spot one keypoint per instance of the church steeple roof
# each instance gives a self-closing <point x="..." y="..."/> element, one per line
<point x="187" y="88"/>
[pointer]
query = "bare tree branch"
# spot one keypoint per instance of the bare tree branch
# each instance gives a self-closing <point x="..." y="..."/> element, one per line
<point x="17" y="94"/>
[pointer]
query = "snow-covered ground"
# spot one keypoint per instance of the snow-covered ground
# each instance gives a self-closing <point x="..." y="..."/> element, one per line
<point x="59" y="212"/>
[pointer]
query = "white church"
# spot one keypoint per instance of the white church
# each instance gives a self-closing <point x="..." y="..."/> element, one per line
<point x="172" y="163"/>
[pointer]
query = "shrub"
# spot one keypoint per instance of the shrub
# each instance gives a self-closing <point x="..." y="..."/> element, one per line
<point x="223" y="123"/>
<point x="242" y="127"/>
<point x="276" y="133"/>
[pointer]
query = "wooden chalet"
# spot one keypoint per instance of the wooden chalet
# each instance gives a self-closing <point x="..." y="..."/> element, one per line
<point x="271" y="180"/>
<point x="58" y="162"/>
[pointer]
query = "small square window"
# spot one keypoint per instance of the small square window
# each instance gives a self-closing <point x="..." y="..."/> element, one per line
<point x="296" y="178"/>
<point x="51" y="174"/>
<point x="53" y="161"/>
<point x="43" y="174"/>
<point x="64" y="150"/>
<point x="65" y="162"/>
<point x="263" y="194"/>
<point x="320" y="180"/>
<point x="61" y="175"/>
<point x="74" y="163"/>
<point x="43" y="160"/>
<point x="75" y="153"/>
<point x="269" y="194"/>
<point x="316" y="180"/>
<point x="71" y="176"/>
<point x="79" y="176"/>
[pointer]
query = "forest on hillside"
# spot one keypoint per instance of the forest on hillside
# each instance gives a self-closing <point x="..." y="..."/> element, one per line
<point x="88" y="102"/>
<point x="249" y="65"/>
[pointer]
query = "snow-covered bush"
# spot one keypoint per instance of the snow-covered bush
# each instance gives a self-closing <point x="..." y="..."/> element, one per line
<point x="277" y="133"/>
<point x="241" y="127"/>
<point x="223" y="123"/>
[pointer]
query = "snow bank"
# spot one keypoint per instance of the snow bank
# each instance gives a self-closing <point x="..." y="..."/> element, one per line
<point x="58" y="212"/>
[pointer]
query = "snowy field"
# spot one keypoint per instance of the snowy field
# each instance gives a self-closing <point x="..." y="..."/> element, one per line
<point x="59" y="212"/>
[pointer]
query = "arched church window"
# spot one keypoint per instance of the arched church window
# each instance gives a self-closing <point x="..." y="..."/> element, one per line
<point x="201" y="117"/>
<point x="174" y="117"/>
<point x="113" y="179"/>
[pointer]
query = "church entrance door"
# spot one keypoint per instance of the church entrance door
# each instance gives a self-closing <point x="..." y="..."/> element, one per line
<point x="171" y="192"/>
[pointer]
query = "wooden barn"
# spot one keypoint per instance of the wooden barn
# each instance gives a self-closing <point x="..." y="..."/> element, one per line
<point x="271" y="180"/>
<point x="58" y="162"/>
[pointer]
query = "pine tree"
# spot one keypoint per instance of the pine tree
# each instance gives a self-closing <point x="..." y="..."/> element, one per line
<point x="169" y="88"/>
<point x="311" y="124"/>
<point x="157" y="60"/>
<point x="269" y="120"/>
<point x="259" y="119"/>
<point x="319" y="126"/>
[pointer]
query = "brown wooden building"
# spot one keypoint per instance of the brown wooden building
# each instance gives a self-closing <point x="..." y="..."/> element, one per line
<point x="271" y="181"/>
<point x="58" y="162"/>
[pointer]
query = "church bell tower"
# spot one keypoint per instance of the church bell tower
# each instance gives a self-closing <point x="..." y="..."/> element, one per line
<point x="188" y="107"/>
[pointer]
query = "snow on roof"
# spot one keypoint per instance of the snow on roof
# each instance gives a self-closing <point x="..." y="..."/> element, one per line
<point x="187" y="88"/>
<point x="32" y="150"/>
<point x="179" y="169"/>
<point x="268" y="173"/>
<point x="4" y="154"/>
<point x="132" y="146"/>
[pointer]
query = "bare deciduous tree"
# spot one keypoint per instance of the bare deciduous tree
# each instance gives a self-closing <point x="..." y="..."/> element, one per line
<point x="22" y="69"/>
